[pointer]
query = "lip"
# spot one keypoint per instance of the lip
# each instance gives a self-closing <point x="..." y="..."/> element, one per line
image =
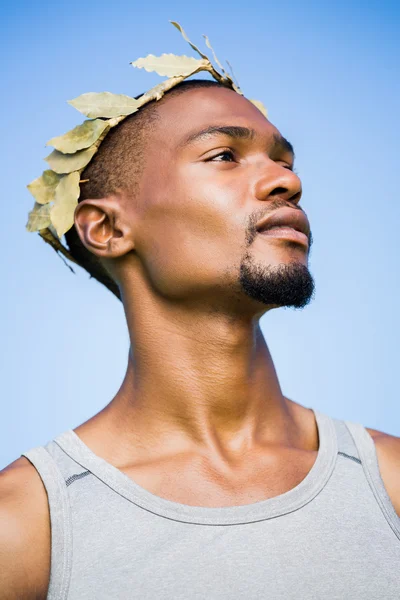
<point x="289" y="222"/>
<point x="286" y="233"/>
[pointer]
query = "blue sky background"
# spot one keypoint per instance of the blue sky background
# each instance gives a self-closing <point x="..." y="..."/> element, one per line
<point x="329" y="77"/>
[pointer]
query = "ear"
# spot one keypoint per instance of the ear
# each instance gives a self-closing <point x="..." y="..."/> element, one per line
<point x="101" y="228"/>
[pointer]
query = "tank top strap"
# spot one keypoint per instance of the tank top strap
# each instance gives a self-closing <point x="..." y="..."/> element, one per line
<point x="345" y="442"/>
<point x="366" y="453"/>
<point x="60" y="520"/>
<point x="70" y="468"/>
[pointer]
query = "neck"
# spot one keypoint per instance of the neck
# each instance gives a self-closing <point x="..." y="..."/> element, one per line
<point x="200" y="381"/>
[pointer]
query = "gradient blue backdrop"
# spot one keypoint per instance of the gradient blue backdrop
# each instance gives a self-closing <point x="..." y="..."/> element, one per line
<point x="329" y="77"/>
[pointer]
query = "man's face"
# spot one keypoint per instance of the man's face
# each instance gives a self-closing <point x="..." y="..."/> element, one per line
<point x="201" y="198"/>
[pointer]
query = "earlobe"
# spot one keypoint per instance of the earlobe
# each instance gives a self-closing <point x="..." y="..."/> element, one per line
<point x="96" y="222"/>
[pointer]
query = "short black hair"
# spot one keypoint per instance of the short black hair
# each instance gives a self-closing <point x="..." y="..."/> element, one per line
<point x="119" y="164"/>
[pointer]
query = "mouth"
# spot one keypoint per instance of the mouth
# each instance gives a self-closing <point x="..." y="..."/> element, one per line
<point x="287" y="223"/>
<point x="286" y="233"/>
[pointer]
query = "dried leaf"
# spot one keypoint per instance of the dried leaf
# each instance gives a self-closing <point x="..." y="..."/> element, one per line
<point x="53" y="231"/>
<point x="115" y="120"/>
<point x="67" y="163"/>
<point x="104" y="104"/>
<point x="260" y="106"/>
<point x="49" y="235"/>
<point x="80" y="137"/>
<point x="221" y="78"/>
<point x="236" y="88"/>
<point x="158" y="91"/>
<point x="39" y="217"/>
<point x="234" y="85"/>
<point x="185" y="37"/>
<point x="170" y="65"/>
<point x="67" y="194"/>
<point x="43" y="188"/>
<point x="208" y="44"/>
<point x="234" y="80"/>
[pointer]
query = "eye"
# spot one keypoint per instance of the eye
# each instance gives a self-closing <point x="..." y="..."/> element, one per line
<point x="290" y="168"/>
<point x="225" y="156"/>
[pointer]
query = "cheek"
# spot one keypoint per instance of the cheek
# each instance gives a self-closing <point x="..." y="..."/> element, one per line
<point x="189" y="232"/>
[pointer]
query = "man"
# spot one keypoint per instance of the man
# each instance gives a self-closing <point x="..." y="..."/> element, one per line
<point x="201" y="479"/>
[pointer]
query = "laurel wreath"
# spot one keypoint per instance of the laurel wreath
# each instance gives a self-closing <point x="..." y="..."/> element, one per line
<point x="57" y="190"/>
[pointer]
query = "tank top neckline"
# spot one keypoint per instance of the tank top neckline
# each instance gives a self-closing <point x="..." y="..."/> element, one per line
<point x="276" y="506"/>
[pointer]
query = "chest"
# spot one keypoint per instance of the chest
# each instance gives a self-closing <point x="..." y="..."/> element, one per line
<point x="197" y="482"/>
<point x="307" y="554"/>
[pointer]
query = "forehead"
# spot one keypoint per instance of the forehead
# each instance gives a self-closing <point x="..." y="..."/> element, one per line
<point x="186" y="113"/>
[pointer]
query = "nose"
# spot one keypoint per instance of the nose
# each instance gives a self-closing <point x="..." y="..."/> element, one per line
<point x="277" y="182"/>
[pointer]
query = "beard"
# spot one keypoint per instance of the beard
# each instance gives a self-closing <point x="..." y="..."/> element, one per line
<point x="290" y="285"/>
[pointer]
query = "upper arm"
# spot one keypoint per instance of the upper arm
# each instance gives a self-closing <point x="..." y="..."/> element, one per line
<point x="388" y="453"/>
<point x="25" y="542"/>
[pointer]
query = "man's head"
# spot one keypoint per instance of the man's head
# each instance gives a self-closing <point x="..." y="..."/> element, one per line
<point x="176" y="192"/>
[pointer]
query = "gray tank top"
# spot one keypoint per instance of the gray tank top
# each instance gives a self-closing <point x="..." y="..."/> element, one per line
<point x="335" y="536"/>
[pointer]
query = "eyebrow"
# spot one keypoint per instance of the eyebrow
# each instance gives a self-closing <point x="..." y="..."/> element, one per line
<point x="232" y="131"/>
<point x="236" y="132"/>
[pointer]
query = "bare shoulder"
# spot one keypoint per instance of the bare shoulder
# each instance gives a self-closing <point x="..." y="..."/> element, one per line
<point x="24" y="533"/>
<point x="388" y="453"/>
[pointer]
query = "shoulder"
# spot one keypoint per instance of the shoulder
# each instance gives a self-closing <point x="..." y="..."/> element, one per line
<point x="25" y="542"/>
<point x="388" y="452"/>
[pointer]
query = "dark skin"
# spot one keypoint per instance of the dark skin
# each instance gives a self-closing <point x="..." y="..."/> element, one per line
<point x="195" y="334"/>
<point x="200" y="417"/>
